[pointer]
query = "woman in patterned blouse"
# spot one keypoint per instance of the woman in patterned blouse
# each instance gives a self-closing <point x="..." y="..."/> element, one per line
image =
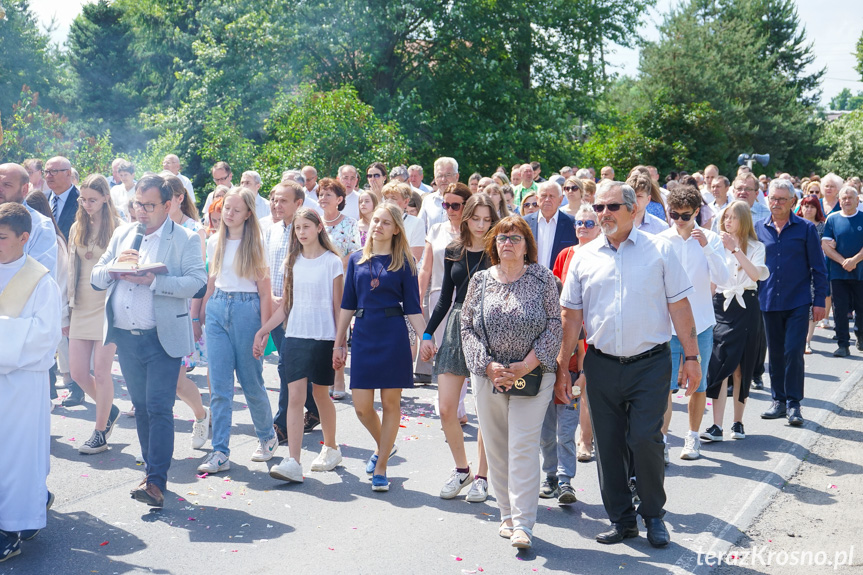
<point x="520" y="297"/>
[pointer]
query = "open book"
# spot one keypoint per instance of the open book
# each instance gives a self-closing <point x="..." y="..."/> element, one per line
<point x="127" y="268"/>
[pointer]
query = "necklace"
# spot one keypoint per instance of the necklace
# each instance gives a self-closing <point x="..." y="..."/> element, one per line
<point x="90" y="247"/>
<point x="476" y="267"/>
<point x="506" y="277"/>
<point x="376" y="281"/>
<point x="335" y="219"/>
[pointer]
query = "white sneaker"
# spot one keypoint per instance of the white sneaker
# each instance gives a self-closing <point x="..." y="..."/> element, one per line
<point x="287" y="470"/>
<point x="691" y="448"/>
<point x="266" y="449"/>
<point x="201" y="431"/>
<point x="453" y="486"/>
<point x="327" y="460"/>
<point x="667" y="456"/>
<point x="478" y="491"/>
<point x="214" y="463"/>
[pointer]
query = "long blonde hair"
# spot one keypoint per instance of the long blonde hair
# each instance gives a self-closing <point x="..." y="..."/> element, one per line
<point x="400" y="248"/>
<point x="295" y="248"/>
<point x="744" y="219"/>
<point x="107" y="215"/>
<point x="250" y="262"/>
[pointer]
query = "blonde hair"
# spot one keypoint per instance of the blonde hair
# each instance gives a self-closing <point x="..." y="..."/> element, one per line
<point x="107" y="214"/>
<point x="399" y="242"/>
<point x="295" y="248"/>
<point x="250" y="262"/>
<point x="397" y="188"/>
<point x="744" y="218"/>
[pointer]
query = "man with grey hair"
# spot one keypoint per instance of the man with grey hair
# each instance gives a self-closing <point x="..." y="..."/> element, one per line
<point x="64" y="193"/>
<point x="554" y="230"/>
<point x="627" y="278"/>
<point x="527" y="184"/>
<point x="566" y="172"/>
<point x="842" y="242"/>
<point x="310" y="175"/>
<point x="252" y="180"/>
<point x="171" y="163"/>
<point x="797" y="282"/>
<point x="399" y="174"/>
<point x="445" y="173"/>
<point x="114" y="178"/>
<point x="297" y="176"/>
<point x="350" y="179"/>
<point x="415" y="177"/>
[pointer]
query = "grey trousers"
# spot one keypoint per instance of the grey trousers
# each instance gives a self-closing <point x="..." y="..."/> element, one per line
<point x="627" y="403"/>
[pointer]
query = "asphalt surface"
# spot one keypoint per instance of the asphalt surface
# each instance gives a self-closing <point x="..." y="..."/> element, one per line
<point x="243" y="521"/>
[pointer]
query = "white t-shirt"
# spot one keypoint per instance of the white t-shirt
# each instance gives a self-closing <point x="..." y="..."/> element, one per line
<point x="352" y="206"/>
<point x="227" y="280"/>
<point x="415" y="230"/>
<point x="311" y="315"/>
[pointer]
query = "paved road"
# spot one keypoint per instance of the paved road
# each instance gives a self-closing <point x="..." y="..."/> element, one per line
<point x="243" y="521"/>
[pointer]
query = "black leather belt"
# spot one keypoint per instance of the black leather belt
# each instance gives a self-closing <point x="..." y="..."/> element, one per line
<point x="388" y="311"/>
<point x="632" y="358"/>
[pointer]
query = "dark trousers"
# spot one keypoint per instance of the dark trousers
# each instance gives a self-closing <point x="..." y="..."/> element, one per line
<point x="627" y="404"/>
<point x="847" y="296"/>
<point x="786" y="339"/>
<point x="281" y="418"/>
<point x="151" y="378"/>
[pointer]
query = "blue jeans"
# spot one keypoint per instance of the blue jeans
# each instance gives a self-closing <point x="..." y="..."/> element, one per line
<point x="705" y="350"/>
<point x="786" y="339"/>
<point x="557" y="441"/>
<point x="151" y="378"/>
<point x="232" y="321"/>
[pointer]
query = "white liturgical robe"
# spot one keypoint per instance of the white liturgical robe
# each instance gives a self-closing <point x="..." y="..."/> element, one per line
<point x="27" y="346"/>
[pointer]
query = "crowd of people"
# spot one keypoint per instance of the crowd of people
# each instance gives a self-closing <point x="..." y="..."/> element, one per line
<point x="522" y="288"/>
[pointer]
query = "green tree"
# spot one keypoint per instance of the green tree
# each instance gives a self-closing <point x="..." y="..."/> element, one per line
<point x="845" y="100"/>
<point x="844" y="139"/>
<point x="859" y="53"/>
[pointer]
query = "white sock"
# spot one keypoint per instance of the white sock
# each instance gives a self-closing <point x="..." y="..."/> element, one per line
<point x="664" y="438"/>
<point x="692" y="433"/>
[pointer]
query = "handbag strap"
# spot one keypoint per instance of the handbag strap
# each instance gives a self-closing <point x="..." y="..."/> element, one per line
<point x="482" y="314"/>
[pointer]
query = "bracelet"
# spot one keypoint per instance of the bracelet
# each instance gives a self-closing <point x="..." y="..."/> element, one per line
<point x="196" y="319"/>
<point x="427" y="336"/>
<point x="335" y="348"/>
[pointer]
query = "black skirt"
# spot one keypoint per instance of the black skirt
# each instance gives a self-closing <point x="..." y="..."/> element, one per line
<point x="307" y="358"/>
<point x="736" y="338"/>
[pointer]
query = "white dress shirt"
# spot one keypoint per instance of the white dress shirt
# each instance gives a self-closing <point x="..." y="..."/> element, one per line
<point x="625" y="292"/>
<point x="133" y="303"/>
<point x="414" y="230"/>
<point x="432" y="211"/>
<point x="545" y="238"/>
<point x="352" y="206"/>
<point x="262" y="206"/>
<point x="703" y="265"/>
<point x="187" y="183"/>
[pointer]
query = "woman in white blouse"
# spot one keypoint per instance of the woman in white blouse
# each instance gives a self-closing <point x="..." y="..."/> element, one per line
<point x="738" y="319"/>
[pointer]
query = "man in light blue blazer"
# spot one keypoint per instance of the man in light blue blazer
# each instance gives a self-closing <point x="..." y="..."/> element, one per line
<point x="147" y="317"/>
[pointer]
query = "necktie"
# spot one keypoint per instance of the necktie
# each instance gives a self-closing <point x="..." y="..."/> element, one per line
<point x="55" y="207"/>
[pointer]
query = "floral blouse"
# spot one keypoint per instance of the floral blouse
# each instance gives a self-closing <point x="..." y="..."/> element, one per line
<point x="515" y="318"/>
<point x="345" y="236"/>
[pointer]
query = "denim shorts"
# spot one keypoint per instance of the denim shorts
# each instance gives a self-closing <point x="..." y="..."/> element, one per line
<point x="705" y="348"/>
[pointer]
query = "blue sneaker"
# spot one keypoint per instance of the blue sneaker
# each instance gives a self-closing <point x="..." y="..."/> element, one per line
<point x="373" y="460"/>
<point x="10" y="544"/>
<point x="380" y="483"/>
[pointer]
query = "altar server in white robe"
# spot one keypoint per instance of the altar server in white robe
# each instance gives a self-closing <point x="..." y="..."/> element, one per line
<point x="29" y="334"/>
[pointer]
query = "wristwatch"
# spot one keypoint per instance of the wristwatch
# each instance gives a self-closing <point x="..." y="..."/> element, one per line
<point x="693" y="358"/>
<point x="735" y="250"/>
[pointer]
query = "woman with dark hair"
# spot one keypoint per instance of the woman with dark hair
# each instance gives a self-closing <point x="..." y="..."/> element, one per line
<point x="376" y="174"/>
<point x="463" y="258"/>
<point x="515" y="296"/>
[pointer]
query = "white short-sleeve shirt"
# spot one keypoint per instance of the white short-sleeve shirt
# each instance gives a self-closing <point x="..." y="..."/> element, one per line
<point x="228" y="280"/>
<point x="311" y="315"/>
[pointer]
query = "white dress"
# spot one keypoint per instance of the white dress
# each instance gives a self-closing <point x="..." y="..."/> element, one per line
<point x="27" y="346"/>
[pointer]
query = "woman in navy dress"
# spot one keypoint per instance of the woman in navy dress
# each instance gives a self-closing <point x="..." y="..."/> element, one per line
<point x="380" y="289"/>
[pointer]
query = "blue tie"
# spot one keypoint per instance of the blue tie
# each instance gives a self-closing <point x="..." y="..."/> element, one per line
<point x="55" y="207"/>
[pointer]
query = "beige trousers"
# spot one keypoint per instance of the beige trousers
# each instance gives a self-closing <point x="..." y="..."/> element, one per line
<point x="510" y="428"/>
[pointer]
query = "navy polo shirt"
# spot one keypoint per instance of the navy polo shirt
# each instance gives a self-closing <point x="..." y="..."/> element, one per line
<point x="848" y="233"/>
<point x="796" y="263"/>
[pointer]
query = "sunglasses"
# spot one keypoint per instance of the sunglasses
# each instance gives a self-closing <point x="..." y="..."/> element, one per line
<point x="685" y="217"/>
<point x="513" y="239"/>
<point x="374" y="176"/>
<point x="585" y="223"/>
<point x="571" y="189"/>
<point x="530" y="205"/>
<point x="599" y="208"/>
<point x="454" y="206"/>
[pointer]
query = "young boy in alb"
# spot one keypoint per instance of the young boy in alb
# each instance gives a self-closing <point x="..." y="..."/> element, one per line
<point x="29" y="334"/>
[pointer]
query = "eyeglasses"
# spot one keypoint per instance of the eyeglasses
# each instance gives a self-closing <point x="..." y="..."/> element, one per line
<point x="678" y="216"/>
<point x="530" y="205"/>
<point x="454" y="206"/>
<point x="589" y="224"/>
<point x="775" y="200"/>
<point x="149" y="208"/>
<point x="221" y="181"/>
<point x="444" y="176"/>
<point x="55" y="172"/>
<point x="599" y="208"/>
<point x="571" y="189"/>
<point x="89" y="201"/>
<point x="374" y="176"/>
<point x="514" y="239"/>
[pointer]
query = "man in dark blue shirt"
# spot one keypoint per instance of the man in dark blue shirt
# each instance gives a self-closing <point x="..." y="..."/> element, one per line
<point x="796" y="263"/>
<point x="843" y="244"/>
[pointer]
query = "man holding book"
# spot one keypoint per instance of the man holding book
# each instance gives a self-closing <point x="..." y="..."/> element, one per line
<point x="147" y="316"/>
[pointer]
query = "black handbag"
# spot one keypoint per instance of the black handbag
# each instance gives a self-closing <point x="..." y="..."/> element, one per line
<point x="527" y="386"/>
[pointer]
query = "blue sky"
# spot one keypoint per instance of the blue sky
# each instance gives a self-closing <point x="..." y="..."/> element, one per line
<point x="832" y="25"/>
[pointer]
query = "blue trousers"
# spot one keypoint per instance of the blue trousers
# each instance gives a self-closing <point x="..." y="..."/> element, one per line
<point x="151" y="378"/>
<point x="847" y="296"/>
<point x="786" y="339"/>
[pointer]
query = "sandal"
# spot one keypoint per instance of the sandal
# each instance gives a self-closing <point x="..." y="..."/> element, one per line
<point x="338" y="395"/>
<point x="808" y="350"/>
<point x="521" y="538"/>
<point x="505" y="530"/>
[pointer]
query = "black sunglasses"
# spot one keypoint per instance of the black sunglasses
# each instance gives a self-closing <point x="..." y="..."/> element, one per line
<point x="454" y="206"/>
<point x="530" y="205"/>
<point x="685" y="217"/>
<point x="571" y="188"/>
<point x="370" y="176"/>
<point x="599" y="208"/>
<point x="585" y="223"/>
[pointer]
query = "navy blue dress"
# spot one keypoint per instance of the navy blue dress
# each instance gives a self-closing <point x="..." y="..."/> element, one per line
<point x="380" y="348"/>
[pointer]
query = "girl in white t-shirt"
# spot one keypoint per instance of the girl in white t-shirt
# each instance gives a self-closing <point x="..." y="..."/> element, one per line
<point x="236" y="304"/>
<point x="314" y="280"/>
